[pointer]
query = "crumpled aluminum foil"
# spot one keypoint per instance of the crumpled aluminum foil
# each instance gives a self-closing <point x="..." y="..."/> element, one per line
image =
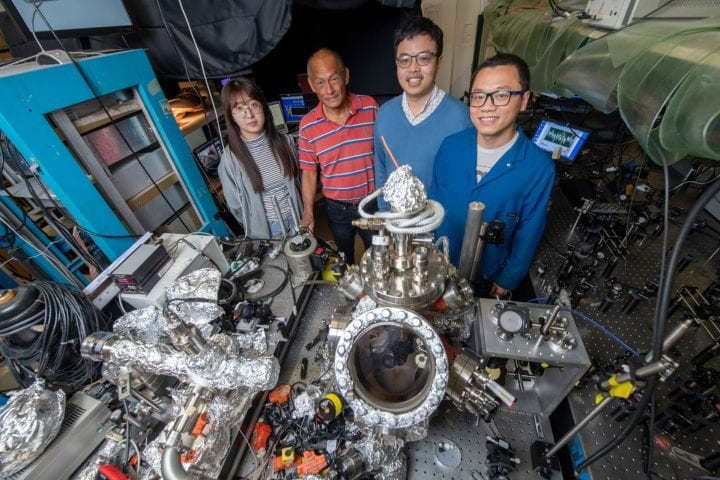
<point x="152" y="456"/>
<point x="225" y="412"/>
<point x="304" y="406"/>
<point x="404" y="191"/>
<point x="203" y="283"/>
<point x="30" y="421"/>
<point x="384" y="452"/>
<point x="147" y="325"/>
<point x="256" y="341"/>
<point x="212" y="368"/>
<point x="105" y="454"/>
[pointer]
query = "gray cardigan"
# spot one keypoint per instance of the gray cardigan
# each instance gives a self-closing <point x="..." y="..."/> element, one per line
<point x="244" y="202"/>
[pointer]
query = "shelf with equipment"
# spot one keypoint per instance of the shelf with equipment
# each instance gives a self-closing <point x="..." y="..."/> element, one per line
<point x="104" y="155"/>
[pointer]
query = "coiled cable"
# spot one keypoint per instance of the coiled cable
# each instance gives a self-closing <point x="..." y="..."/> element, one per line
<point x="43" y="340"/>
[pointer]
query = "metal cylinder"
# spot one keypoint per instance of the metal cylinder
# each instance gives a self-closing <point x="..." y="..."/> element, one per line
<point x="171" y="467"/>
<point x="473" y="224"/>
<point x="673" y="337"/>
<point x="97" y="346"/>
<point x="297" y="252"/>
<point x="551" y="320"/>
<point x="609" y="268"/>
<point x="505" y="396"/>
<point x="606" y="304"/>
<point x="579" y="426"/>
<point x="631" y="304"/>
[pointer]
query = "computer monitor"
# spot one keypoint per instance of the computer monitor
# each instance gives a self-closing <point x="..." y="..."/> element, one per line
<point x="296" y="105"/>
<point x="278" y="118"/>
<point x="208" y="156"/>
<point x="70" y="18"/>
<point x="551" y="136"/>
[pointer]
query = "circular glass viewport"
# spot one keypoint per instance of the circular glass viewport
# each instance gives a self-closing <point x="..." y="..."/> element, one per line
<point x="392" y="368"/>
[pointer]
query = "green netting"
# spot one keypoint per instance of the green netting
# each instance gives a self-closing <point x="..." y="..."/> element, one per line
<point x="664" y="76"/>
<point x="592" y="72"/>
<point x="691" y="124"/>
<point x="534" y="35"/>
<point x="649" y="80"/>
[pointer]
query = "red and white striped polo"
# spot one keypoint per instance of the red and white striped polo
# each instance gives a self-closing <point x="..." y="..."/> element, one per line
<point x="344" y="153"/>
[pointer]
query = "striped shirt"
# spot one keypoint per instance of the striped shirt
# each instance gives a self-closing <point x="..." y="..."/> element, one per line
<point x="344" y="153"/>
<point x="274" y="185"/>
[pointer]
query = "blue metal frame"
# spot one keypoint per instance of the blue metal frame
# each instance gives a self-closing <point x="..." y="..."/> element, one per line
<point x="52" y="272"/>
<point x="28" y="96"/>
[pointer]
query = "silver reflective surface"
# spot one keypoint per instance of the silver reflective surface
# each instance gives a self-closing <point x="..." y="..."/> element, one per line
<point x="392" y="367"/>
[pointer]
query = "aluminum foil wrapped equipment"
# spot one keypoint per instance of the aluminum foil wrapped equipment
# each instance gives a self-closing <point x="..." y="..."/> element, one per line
<point x="30" y="421"/>
<point x="203" y="285"/>
<point x="212" y="368"/>
<point x="404" y="191"/>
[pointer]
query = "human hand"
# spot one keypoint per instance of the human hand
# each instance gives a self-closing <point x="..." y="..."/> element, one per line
<point x="498" y="291"/>
<point x="308" y="221"/>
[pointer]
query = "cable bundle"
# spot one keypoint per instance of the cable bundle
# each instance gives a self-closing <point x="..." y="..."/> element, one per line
<point x="42" y="337"/>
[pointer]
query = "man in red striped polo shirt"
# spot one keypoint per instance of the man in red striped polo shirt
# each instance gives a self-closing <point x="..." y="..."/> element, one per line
<point x="337" y="137"/>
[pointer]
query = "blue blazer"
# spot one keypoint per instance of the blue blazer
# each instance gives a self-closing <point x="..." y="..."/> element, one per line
<point x="515" y="191"/>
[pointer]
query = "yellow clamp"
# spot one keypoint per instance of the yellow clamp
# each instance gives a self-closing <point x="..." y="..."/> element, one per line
<point x="328" y="274"/>
<point x="620" y="390"/>
<point x="545" y="365"/>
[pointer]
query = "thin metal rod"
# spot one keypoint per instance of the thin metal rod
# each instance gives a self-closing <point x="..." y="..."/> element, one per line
<point x="579" y="426"/>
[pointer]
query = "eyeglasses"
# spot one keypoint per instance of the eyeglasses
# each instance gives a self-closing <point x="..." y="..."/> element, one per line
<point x="499" y="98"/>
<point x="422" y="59"/>
<point x="245" y="108"/>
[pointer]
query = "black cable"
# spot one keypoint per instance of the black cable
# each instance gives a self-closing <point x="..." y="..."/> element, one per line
<point x="66" y="317"/>
<point x="184" y="240"/>
<point x="276" y="291"/>
<point x="658" y="329"/>
<point x="133" y="153"/>
<point x="663" y="302"/>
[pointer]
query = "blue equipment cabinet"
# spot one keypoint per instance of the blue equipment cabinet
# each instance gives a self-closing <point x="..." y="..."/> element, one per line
<point x="36" y="115"/>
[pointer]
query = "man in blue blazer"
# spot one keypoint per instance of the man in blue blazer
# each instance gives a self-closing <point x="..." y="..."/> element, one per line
<point x="495" y="163"/>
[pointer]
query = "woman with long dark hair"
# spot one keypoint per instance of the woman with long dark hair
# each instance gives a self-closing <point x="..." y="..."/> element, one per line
<point x="258" y="169"/>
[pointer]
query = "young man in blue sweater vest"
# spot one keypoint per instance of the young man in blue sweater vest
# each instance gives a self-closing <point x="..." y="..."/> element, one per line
<point x="495" y="163"/>
<point x="416" y="122"/>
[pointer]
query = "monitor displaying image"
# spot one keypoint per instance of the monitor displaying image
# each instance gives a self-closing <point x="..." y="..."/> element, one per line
<point x="208" y="156"/>
<point x="551" y="136"/>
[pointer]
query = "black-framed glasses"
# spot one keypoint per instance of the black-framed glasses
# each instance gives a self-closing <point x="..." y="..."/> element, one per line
<point x="499" y="98"/>
<point x="423" y="58"/>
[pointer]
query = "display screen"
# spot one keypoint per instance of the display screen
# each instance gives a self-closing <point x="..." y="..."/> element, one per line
<point x="551" y="136"/>
<point x="73" y="15"/>
<point x="277" y="113"/>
